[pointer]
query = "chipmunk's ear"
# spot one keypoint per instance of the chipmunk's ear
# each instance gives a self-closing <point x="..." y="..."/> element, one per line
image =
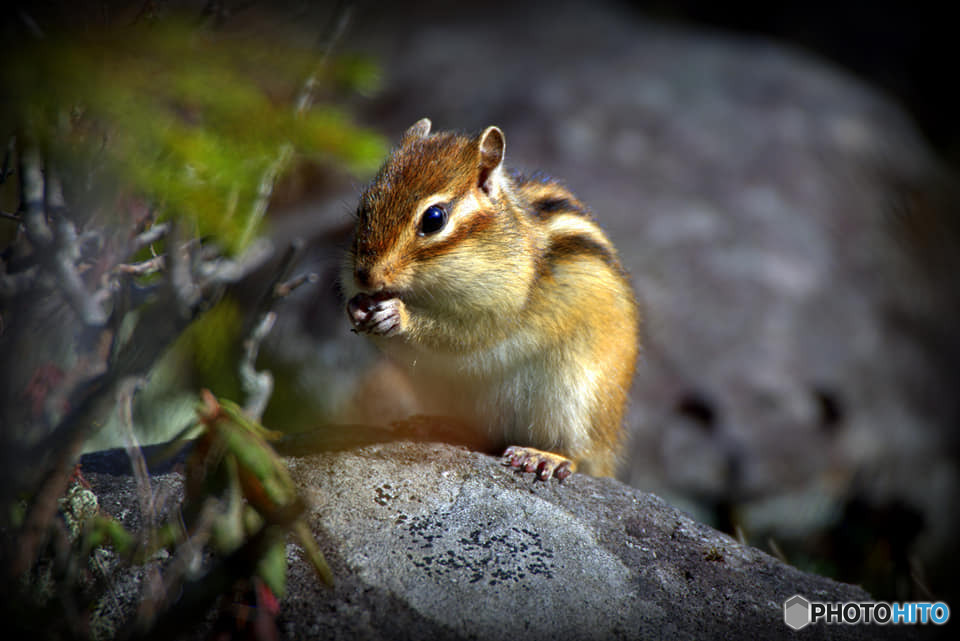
<point x="419" y="129"/>
<point x="492" y="146"/>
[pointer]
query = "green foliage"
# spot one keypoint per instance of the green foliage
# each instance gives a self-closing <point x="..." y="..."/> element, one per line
<point x="232" y="458"/>
<point x="193" y="120"/>
<point x="357" y="73"/>
<point x="140" y="122"/>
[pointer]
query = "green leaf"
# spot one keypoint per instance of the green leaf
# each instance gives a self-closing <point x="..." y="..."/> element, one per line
<point x="272" y="567"/>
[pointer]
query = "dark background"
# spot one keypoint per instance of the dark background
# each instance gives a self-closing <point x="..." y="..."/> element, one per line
<point x="908" y="49"/>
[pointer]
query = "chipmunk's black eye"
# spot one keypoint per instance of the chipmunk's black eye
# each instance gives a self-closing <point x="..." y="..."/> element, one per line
<point x="434" y="218"/>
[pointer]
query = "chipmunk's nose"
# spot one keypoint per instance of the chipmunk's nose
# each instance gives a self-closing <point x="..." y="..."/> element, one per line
<point x="362" y="276"/>
<point x="367" y="280"/>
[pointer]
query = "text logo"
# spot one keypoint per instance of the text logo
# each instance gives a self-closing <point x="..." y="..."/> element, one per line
<point x="799" y="612"/>
<point x="796" y="612"/>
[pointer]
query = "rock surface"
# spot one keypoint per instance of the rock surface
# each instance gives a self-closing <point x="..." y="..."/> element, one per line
<point x="431" y="541"/>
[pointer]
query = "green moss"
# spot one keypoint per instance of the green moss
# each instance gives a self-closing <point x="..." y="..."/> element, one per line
<point x="189" y="119"/>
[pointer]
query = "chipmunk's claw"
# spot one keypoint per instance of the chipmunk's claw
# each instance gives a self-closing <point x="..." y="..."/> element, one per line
<point x="377" y="315"/>
<point x="544" y="464"/>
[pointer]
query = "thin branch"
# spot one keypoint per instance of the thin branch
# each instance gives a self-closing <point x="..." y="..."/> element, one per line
<point x="185" y="290"/>
<point x="340" y="20"/>
<point x="90" y="242"/>
<point x="31" y="195"/>
<point x="90" y="308"/>
<point x="273" y="293"/>
<point x="12" y="217"/>
<point x="147" y="499"/>
<point x="53" y="199"/>
<point x="264" y="191"/>
<point x="223" y="271"/>
<point x="40" y="196"/>
<point x="150" y="236"/>
<point x="149" y="266"/>
<point x="284" y="289"/>
<point x="303" y="103"/>
<point x="258" y="386"/>
<point x="125" y="394"/>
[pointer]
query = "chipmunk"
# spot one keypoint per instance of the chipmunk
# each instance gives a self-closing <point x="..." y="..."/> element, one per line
<point x="503" y="299"/>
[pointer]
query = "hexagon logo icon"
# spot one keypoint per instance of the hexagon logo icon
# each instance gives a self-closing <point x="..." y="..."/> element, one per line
<point x="796" y="612"/>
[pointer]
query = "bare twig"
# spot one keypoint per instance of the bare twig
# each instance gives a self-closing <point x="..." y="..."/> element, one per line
<point x="150" y="236"/>
<point x="265" y="191"/>
<point x="185" y="290"/>
<point x="128" y="388"/>
<point x="777" y="551"/>
<point x="284" y="289"/>
<point x="31" y="198"/>
<point x="9" y="216"/>
<point x="276" y="291"/>
<point x="90" y="308"/>
<point x="90" y="242"/>
<point x="149" y="266"/>
<point x="125" y="394"/>
<point x="340" y="20"/>
<point x="53" y="199"/>
<point x="222" y="271"/>
<point x="258" y="386"/>
<point x="41" y="196"/>
<point x="302" y="104"/>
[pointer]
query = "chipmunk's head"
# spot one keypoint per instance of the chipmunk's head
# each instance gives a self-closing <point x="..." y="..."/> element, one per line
<point x="433" y="222"/>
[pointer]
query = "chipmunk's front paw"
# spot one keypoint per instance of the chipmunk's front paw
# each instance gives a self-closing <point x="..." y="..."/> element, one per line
<point x="545" y="464"/>
<point x="378" y="315"/>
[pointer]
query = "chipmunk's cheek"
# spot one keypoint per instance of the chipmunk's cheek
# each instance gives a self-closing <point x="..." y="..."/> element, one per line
<point x="377" y="316"/>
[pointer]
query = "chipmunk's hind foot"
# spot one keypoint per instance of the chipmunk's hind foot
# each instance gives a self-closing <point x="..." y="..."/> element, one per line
<point x="544" y="464"/>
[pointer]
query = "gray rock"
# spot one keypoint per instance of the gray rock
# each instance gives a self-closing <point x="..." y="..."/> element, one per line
<point x="430" y="541"/>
